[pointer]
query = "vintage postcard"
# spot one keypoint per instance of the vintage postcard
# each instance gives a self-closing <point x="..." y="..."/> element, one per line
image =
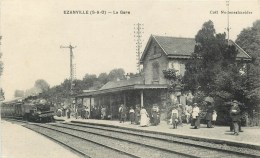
<point x="114" y="78"/>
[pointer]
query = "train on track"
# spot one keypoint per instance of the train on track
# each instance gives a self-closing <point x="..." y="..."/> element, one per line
<point x="31" y="109"/>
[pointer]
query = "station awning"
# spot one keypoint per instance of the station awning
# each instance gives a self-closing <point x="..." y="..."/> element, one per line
<point x="123" y="88"/>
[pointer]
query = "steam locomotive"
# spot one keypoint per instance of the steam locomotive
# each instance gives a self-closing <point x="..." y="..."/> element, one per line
<point x="31" y="109"/>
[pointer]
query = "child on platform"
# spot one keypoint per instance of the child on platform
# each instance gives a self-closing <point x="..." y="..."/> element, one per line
<point x="175" y="116"/>
<point x="214" y="118"/>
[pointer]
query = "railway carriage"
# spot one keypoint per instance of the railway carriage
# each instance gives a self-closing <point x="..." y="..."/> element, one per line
<point x="12" y="108"/>
<point x="30" y="109"/>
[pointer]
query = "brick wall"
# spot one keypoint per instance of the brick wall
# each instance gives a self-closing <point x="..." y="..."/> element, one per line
<point x="163" y="62"/>
<point x="152" y="57"/>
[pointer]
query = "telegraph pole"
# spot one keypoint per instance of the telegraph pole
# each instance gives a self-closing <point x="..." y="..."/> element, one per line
<point x="138" y="38"/>
<point x="2" y="98"/>
<point x="228" y="28"/>
<point x="71" y="66"/>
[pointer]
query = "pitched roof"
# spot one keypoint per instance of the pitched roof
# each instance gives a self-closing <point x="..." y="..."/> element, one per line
<point x="122" y="83"/>
<point x="178" y="47"/>
<point x="241" y="52"/>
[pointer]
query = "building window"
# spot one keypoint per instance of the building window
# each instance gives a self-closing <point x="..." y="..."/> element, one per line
<point x="155" y="72"/>
<point x="154" y="50"/>
<point x="176" y="66"/>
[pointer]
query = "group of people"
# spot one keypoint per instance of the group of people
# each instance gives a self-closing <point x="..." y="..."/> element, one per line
<point x="192" y="114"/>
<point x="83" y="113"/>
<point x="140" y="116"/>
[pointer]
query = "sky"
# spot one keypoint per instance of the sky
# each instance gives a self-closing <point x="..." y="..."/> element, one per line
<point x="34" y="30"/>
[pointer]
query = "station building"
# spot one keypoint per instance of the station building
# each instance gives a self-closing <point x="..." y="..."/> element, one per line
<point x="150" y="87"/>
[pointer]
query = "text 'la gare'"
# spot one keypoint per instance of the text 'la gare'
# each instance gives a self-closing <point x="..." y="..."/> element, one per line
<point x="121" y="12"/>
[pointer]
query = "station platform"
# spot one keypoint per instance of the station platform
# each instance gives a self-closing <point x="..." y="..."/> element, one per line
<point x="20" y="142"/>
<point x="249" y="137"/>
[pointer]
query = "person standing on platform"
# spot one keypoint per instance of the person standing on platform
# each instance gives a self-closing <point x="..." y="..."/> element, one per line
<point x="132" y="115"/>
<point x="214" y="118"/>
<point x="95" y="112"/>
<point x="188" y="110"/>
<point x="59" y="112"/>
<point x="68" y="113"/>
<point x="209" y="114"/>
<point x="87" y="112"/>
<point x="239" y="124"/>
<point x="63" y="112"/>
<point x="92" y="112"/>
<point x="153" y="115"/>
<point x="235" y="116"/>
<point x="83" y="113"/>
<point x="144" y="118"/>
<point x="156" y="114"/>
<point x="76" y="112"/>
<point x="180" y="110"/>
<point x="103" y="112"/>
<point x="122" y="113"/>
<point x="137" y="115"/>
<point x="175" y="117"/>
<point x="195" y="116"/>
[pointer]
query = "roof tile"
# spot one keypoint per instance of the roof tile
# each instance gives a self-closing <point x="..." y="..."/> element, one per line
<point x="180" y="46"/>
<point x="122" y="83"/>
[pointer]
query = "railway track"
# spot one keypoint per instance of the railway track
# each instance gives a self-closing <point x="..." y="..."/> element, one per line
<point x="15" y="120"/>
<point x="100" y="141"/>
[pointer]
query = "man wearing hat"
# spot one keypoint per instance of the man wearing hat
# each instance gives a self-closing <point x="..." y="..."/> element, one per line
<point x="235" y="116"/>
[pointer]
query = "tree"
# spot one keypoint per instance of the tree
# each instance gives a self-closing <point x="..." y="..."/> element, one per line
<point x="96" y="85"/>
<point x="103" y="78"/>
<point x="249" y="40"/>
<point x="213" y="70"/>
<point x="42" y="85"/>
<point x="211" y="56"/>
<point x="58" y="93"/>
<point x="116" y="74"/>
<point x="89" y="80"/>
<point x="19" y="93"/>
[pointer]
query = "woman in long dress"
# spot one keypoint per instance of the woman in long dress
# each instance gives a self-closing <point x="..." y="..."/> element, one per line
<point x="144" y="118"/>
<point x="195" y="116"/>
